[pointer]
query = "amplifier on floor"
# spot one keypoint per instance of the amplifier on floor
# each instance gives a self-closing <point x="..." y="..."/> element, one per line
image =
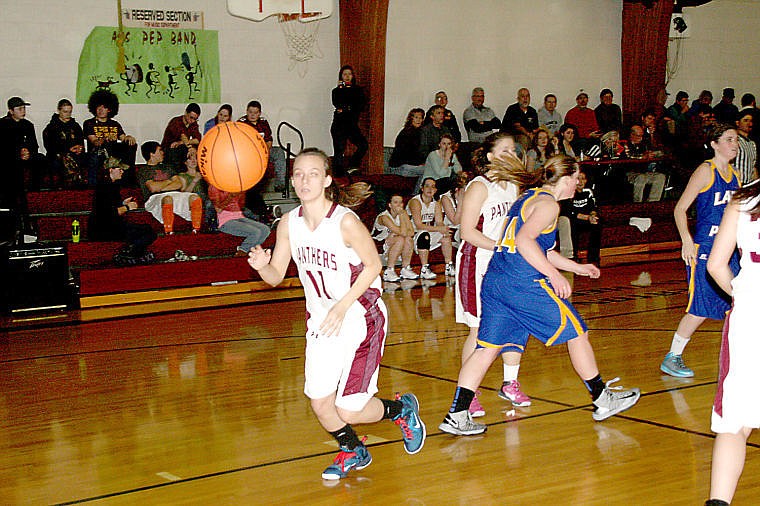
<point x="38" y="278"/>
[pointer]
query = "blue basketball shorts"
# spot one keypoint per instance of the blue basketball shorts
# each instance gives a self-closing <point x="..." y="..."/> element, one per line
<point x="514" y="310"/>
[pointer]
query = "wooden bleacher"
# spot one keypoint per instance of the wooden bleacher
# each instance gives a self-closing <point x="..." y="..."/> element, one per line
<point x="102" y="283"/>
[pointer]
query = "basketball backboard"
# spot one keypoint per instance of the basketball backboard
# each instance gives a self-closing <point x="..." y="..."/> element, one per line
<point x="258" y="10"/>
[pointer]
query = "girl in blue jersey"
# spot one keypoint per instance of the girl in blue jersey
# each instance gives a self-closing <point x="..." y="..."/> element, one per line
<point x="524" y="294"/>
<point x="710" y="186"/>
<point x="346" y="320"/>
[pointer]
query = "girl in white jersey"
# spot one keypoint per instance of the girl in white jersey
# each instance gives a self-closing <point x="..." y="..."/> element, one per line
<point x="346" y="320"/>
<point x="735" y="410"/>
<point x="430" y="232"/>
<point x="484" y="208"/>
<point x="394" y="228"/>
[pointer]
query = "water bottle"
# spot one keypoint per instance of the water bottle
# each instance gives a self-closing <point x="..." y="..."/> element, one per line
<point x="75" y="231"/>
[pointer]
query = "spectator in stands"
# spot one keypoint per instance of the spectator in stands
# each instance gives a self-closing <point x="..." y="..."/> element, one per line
<point x="276" y="154"/>
<point x="479" y="120"/>
<point x="609" y="117"/>
<point x="104" y="135"/>
<point x="611" y="145"/>
<point x="654" y="135"/>
<point x="748" y="104"/>
<point x="705" y="99"/>
<point x="20" y="150"/>
<point x="441" y="165"/>
<point x="64" y="143"/>
<point x="640" y="147"/>
<point x="584" y="120"/>
<point x="223" y="115"/>
<point x="229" y="211"/>
<point x="449" y="120"/>
<point x="432" y="130"/>
<point x="660" y="111"/>
<point x="520" y="119"/>
<point x="406" y="159"/>
<point x="394" y="228"/>
<point x="108" y="221"/>
<point x="676" y="116"/>
<point x="165" y="192"/>
<point x="180" y="135"/>
<point x="192" y="180"/>
<point x="18" y="155"/>
<point x="20" y="135"/>
<point x="548" y="116"/>
<point x="578" y="215"/>
<point x="746" y="158"/>
<point x="726" y="111"/>
<point x="697" y="141"/>
<point x="541" y="149"/>
<point x="349" y="101"/>
<point x="429" y="230"/>
<point x="253" y="197"/>
<point x="567" y="141"/>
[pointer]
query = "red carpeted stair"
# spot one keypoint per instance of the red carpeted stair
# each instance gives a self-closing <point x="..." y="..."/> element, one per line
<point x="54" y="212"/>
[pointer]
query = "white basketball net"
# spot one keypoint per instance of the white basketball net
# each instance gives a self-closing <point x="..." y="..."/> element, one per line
<point x="301" y="39"/>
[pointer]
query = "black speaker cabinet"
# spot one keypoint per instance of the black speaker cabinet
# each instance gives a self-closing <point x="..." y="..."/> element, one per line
<point x="38" y="278"/>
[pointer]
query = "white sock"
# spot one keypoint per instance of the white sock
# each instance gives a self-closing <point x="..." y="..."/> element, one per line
<point x="678" y="344"/>
<point x="510" y="372"/>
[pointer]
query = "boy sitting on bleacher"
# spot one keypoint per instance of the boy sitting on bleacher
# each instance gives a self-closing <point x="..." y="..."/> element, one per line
<point x="108" y="218"/>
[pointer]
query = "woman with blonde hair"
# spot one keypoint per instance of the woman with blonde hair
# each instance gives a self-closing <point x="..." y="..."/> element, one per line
<point x="524" y="293"/>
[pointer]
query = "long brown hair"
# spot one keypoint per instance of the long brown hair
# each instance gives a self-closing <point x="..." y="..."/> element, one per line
<point x="352" y="195"/>
<point x="747" y="193"/>
<point x="480" y="161"/>
<point x="512" y="170"/>
<point x="549" y="149"/>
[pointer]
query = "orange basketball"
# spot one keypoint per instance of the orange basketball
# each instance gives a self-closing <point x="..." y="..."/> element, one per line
<point x="233" y="156"/>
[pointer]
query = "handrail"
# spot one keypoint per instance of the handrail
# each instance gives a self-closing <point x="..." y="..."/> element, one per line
<point x="288" y="152"/>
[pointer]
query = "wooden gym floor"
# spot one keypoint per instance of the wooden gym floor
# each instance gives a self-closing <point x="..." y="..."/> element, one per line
<point x="205" y="406"/>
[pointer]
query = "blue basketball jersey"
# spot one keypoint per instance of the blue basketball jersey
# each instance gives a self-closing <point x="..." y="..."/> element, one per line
<point x="506" y="259"/>
<point x="516" y="299"/>
<point x="711" y="202"/>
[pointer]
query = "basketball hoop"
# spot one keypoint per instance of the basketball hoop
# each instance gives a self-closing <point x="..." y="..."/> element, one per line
<point x="299" y="20"/>
<point x="301" y="31"/>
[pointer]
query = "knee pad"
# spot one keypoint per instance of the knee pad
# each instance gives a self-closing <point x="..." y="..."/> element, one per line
<point x="423" y="241"/>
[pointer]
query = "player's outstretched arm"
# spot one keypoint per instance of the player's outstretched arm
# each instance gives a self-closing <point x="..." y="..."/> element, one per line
<point x="565" y="264"/>
<point x="272" y="265"/>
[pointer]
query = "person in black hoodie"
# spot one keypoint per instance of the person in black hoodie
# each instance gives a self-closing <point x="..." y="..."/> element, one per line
<point x="21" y="165"/>
<point x="64" y="142"/>
<point x="349" y="101"/>
<point x="108" y="218"/>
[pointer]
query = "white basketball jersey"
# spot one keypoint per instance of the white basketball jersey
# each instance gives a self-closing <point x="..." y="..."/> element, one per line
<point x="427" y="212"/>
<point x="379" y="231"/>
<point x="495" y="208"/>
<point x="326" y="266"/>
